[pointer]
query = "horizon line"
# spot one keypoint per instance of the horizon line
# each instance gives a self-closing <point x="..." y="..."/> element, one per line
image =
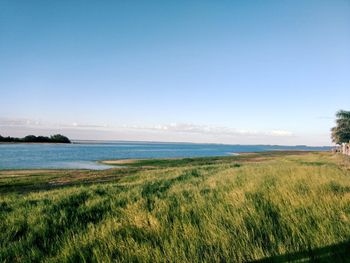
<point x="184" y="142"/>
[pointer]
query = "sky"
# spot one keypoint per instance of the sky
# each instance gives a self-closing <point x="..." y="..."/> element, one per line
<point x="236" y="72"/>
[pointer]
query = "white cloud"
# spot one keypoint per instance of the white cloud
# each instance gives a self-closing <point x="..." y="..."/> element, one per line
<point x="185" y="132"/>
<point x="214" y="130"/>
<point x="163" y="128"/>
<point x="281" y="133"/>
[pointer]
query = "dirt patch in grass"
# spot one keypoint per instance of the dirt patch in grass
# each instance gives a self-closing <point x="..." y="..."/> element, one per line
<point x="29" y="172"/>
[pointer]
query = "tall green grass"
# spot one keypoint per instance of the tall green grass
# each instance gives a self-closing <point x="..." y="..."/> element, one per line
<point x="228" y="211"/>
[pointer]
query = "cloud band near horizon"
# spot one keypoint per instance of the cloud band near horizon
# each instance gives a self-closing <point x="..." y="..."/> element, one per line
<point x="173" y="132"/>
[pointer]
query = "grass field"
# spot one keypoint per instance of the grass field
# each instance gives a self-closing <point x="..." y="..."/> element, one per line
<point x="275" y="206"/>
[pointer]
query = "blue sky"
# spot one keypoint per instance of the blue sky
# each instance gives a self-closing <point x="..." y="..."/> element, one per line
<point x="245" y="72"/>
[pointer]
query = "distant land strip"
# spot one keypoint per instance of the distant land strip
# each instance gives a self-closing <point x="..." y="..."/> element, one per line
<point x="57" y="138"/>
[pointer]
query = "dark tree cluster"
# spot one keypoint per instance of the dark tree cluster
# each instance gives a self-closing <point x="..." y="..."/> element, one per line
<point x="57" y="138"/>
<point x="341" y="132"/>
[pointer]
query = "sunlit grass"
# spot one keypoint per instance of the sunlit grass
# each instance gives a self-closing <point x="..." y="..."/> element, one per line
<point x="227" y="209"/>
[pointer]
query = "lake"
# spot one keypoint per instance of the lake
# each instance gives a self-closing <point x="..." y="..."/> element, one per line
<point x="84" y="155"/>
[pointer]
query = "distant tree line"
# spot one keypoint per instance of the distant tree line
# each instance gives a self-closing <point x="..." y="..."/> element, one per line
<point x="57" y="138"/>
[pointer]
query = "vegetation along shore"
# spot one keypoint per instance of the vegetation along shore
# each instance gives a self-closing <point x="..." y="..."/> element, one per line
<point x="57" y="138"/>
<point x="271" y="206"/>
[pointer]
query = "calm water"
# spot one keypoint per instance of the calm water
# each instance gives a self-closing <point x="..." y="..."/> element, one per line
<point x="84" y="155"/>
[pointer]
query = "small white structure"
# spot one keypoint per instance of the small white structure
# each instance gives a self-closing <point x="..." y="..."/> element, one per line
<point x="345" y="148"/>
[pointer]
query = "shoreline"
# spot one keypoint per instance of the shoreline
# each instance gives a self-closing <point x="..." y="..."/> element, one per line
<point x="154" y="162"/>
<point x="230" y="154"/>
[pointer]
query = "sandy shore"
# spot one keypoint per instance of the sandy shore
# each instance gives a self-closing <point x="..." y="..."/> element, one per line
<point x="121" y="161"/>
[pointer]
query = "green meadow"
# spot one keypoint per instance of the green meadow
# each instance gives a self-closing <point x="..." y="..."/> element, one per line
<point x="266" y="207"/>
